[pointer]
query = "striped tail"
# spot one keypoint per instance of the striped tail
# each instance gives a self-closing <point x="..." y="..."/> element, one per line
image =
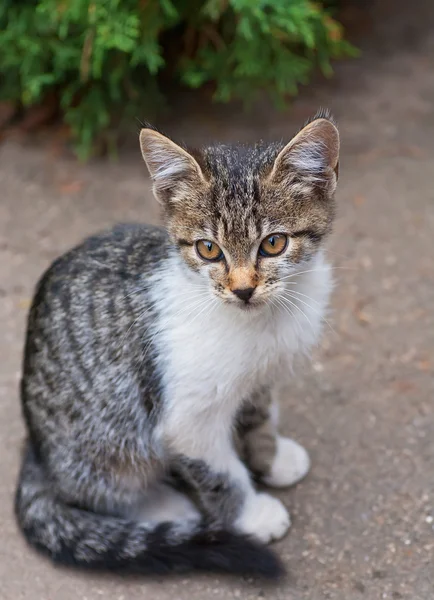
<point x="72" y="536"/>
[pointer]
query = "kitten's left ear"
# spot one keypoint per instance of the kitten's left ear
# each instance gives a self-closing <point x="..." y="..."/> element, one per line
<point x="310" y="158"/>
<point x="173" y="170"/>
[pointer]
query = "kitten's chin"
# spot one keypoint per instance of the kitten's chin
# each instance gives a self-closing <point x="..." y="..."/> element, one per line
<point x="248" y="307"/>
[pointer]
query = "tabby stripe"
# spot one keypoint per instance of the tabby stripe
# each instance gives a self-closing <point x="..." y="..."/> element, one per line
<point x="314" y="236"/>
<point x="183" y="242"/>
<point x="71" y="340"/>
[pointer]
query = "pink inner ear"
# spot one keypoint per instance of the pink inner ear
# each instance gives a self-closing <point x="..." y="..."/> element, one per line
<point x="312" y="154"/>
<point x="169" y="165"/>
<point x="319" y="140"/>
<point x="329" y="133"/>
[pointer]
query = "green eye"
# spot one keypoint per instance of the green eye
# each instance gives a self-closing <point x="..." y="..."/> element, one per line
<point x="209" y="251"/>
<point x="273" y="245"/>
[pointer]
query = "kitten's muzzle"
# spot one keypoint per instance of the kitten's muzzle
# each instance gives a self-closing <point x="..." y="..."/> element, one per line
<point x="244" y="294"/>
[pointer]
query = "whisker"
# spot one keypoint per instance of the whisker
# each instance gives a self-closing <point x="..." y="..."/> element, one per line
<point x="140" y="290"/>
<point x="197" y="293"/>
<point x="136" y="291"/>
<point x="185" y="308"/>
<point x="195" y="306"/>
<point x="136" y="320"/>
<point x="273" y="304"/>
<point x="336" y="254"/>
<point x="316" y="270"/>
<point x="304" y="295"/>
<point x="287" y="282"/>
<point x="314" y="310"/>
<point x="198" y="314"/>
<point x="287" y="309"/>
<point x="284" y="298"/>
<point x="192" y="290"/>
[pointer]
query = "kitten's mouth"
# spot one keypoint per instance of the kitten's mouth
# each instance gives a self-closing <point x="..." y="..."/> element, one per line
<point x="250" y="306"/>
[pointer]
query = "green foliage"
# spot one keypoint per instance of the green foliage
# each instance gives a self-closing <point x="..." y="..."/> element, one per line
<point x="102" y="58"/>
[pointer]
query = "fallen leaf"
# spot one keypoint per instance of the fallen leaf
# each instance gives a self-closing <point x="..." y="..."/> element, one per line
<point x="363" y="317"/>
<point x="71" y="187"/>
<point x="359" y="200"/>
<point x="359" y="311"/>
<point x="24" y="303"/>
<point x="403" y="386"/>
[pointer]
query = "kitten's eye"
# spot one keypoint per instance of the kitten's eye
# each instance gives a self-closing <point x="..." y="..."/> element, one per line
<point x="273" y="245"/>
<point x="209" y="250"/>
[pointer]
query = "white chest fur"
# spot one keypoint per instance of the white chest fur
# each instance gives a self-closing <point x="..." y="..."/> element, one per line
<point x="213" y="356"/>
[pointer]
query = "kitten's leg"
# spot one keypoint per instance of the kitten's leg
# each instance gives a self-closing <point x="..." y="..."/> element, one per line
<point x="255" y="434"/>
<point x="278" y="461"/>
<point x="202" y="455"/>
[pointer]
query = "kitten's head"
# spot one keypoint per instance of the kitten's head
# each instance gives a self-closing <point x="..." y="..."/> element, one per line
<point x="244" y="218"/>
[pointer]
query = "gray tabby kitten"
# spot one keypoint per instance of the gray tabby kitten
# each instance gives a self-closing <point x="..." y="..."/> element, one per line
<point x="150" y="351"/>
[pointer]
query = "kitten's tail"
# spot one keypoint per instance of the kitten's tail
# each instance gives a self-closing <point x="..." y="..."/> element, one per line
<point x="72" y="536"/>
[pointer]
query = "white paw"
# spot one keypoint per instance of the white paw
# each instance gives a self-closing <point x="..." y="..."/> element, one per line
<point x="290" y="464"/>
<point x="264" y="518"/>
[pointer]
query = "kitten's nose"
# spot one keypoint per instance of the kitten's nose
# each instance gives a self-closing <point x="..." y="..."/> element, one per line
<point x="244" y="293"/>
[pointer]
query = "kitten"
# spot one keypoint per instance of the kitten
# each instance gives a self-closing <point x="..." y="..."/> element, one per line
<point x="149" y="350"/>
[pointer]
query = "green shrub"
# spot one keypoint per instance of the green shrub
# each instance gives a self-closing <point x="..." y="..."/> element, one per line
<point x="101" y="58"/>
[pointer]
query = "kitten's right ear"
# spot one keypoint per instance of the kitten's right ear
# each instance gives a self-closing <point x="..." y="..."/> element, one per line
<point x="172" y="169"/>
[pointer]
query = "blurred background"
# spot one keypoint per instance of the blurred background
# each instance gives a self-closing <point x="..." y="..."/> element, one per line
<point x="99" y="65"/>
<point x="76" y="79"/>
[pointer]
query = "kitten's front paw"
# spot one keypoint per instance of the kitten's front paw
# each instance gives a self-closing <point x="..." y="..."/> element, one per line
<point x="290" y="464"/>
<point x="264" y="518"/>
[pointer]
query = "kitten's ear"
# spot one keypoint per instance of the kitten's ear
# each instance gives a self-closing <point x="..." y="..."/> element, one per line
<point x="173" y="170"/>
<point x="311" y="158"/>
